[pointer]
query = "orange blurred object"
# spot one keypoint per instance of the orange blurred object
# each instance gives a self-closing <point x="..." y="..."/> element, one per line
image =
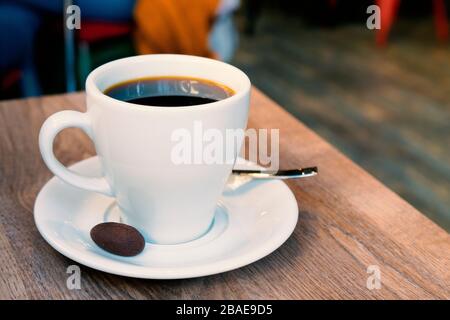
<point x="180" y="26"/>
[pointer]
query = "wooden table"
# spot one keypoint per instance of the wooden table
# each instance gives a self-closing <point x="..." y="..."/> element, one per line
<point x="348" y="221"/>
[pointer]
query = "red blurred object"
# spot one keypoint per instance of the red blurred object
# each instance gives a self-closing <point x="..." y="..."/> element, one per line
<point x="93" y="31"/>
<point x="440" y="20"/>
<point x="389" y="10"/>
<point x="10" y="78"/>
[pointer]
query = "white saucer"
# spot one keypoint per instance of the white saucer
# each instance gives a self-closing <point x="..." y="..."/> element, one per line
<point x="250" y="223"/>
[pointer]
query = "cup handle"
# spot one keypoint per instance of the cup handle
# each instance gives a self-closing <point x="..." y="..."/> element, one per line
<point x="51" y="127"/>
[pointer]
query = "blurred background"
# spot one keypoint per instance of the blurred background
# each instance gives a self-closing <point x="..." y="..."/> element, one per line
<point x="381" y="96"/>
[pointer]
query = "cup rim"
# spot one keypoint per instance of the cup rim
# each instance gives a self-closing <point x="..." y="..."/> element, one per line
<point x="93" y="89"/>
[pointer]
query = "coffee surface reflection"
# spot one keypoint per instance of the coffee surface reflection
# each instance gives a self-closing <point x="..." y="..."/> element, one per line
<point x="169" y="91"/>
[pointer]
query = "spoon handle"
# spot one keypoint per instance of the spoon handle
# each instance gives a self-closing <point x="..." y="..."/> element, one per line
<point x="281" y="174"/>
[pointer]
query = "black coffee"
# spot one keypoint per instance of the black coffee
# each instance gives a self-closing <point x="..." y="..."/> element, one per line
<point x="169" y="91"/>
<point x="171" y="101"/>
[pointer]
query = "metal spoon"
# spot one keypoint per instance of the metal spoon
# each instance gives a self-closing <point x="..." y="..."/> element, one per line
<point x="281" y="174"/>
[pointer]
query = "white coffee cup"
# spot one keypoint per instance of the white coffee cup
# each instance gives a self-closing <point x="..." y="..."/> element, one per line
<point x="168" y="202"/>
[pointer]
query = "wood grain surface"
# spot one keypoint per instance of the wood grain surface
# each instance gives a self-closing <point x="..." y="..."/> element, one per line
<point x="388" y="110"/>
<point x="348" y="221"/>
